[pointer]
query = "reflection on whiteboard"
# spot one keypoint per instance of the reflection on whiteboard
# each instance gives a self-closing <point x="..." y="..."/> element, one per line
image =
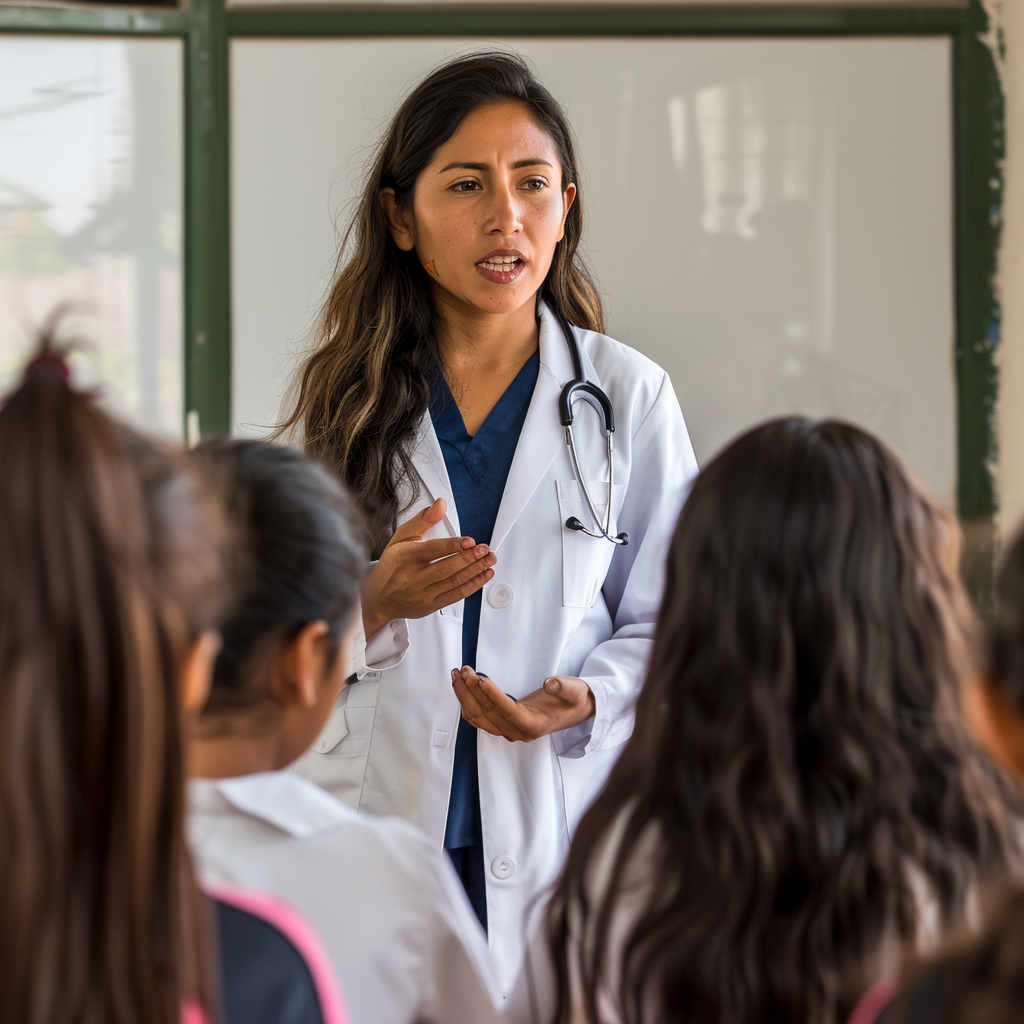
<point x="771" y="220"/>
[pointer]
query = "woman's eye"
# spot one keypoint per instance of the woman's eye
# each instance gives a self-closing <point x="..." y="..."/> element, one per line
<point x="465" y="186"/>
<point x="535" y="184"/>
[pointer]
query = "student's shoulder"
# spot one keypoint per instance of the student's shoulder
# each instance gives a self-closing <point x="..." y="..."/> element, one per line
<point x="387" y="840"/>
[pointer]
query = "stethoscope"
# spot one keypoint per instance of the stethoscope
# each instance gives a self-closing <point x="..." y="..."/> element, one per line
<point x="580" y="388"/>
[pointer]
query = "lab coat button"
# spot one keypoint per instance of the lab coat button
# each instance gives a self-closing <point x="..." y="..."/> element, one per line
<point x="502" y="867"/>
<point x="500" y="596"/>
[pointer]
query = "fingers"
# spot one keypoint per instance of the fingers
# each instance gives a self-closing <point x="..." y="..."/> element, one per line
<point x="489" y="705"/>
<point x="461" y="568"/>
<point x="463" y="590"/>
<point x="440" y="547"/>
<point x="574" y="691"/>
<point x="435" y="513"/>
<point x="421" y="523"/>
<point x="471" y="710"/>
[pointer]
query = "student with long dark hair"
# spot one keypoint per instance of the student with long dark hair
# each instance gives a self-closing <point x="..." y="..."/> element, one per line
<point x="799" y="796"/>
<point x="110" y="589"/>
<point x="981" y="980"/>
<point x="389" y="909"/>
<point x="437" y="393"/>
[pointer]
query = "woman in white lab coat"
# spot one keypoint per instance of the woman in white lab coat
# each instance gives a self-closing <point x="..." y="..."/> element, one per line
<point x="390" y="912"/>
<point x="505" y="649"/>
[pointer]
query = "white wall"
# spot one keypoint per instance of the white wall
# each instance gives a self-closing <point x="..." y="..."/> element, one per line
<point x="769" y="219"/>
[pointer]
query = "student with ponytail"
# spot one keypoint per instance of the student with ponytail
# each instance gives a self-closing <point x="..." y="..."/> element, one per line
<point x="110" y="569"/>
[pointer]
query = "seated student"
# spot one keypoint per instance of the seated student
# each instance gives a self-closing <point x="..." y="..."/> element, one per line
<point x="109" y="589"/>
<point x="982" y="981"/>
<point x="799" y="796"/>
<point x="391" y="912"/>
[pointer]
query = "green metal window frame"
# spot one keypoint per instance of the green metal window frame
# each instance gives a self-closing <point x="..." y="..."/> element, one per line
<point x="207" y="27"/>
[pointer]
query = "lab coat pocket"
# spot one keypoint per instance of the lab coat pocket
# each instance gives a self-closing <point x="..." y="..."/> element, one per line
<point x="350" y="725"/>
<point x="585" y="560"/>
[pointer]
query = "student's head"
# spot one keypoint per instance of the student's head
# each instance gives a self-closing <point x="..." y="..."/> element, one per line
<point x="799" y="747"/>
<point x="413" y="255"/>
<point x="979" y="978"/>
<point x="109" y="587"/>
<point x="286" y="637"/>
<point x="996" y="702"/>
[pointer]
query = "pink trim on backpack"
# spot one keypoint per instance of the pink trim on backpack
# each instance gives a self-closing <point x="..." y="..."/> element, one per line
<point x="192" y="1013"/>
<point x="873" y="1002"/>
<point x="293" y="926"/>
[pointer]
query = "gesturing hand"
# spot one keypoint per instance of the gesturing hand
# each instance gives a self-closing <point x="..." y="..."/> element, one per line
<point x="415" y="577"/>
<point x="562" y="701"/>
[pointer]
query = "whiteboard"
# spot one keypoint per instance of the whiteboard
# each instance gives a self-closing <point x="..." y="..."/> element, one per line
<point x="769" y="219"/>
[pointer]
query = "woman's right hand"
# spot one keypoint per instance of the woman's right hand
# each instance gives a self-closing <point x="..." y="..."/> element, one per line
<point x="415" y="577"/>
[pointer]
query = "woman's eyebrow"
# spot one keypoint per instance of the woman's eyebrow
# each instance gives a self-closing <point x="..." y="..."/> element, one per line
<point x="529" y="162"/>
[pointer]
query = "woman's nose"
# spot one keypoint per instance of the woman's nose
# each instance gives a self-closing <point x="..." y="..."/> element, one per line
<point x="504" y="216"/>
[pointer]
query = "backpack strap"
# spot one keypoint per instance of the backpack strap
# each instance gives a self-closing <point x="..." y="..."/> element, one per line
<point x="293" y="926"/>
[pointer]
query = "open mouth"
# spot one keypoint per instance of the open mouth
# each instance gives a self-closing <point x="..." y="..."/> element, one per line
<point x="499" y="264"/>
<point x="501" y="268"/>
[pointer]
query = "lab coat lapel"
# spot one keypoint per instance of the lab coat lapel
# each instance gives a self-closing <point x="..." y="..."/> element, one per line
<point x="542" y="437"/>
<point x="429" y="462"/>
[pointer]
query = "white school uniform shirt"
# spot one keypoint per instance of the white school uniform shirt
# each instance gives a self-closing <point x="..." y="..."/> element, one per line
<point x="560" y="603"/>
<point x="386" y="904"/>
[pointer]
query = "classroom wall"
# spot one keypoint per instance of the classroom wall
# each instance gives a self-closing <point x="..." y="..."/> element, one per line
<point x="747" y="224"/>
<point x="1010" y="414"/>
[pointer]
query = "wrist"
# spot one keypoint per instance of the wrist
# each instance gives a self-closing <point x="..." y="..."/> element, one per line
<point x="373" y="623"/>
<point x="374" y="617"/>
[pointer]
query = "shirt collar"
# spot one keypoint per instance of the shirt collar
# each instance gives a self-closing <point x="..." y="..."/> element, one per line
<point x="554" y="351"/>
<point x="286" y="801"/>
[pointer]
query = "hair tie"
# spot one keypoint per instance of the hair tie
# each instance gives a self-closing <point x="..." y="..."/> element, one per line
<point x="49" y="361"/>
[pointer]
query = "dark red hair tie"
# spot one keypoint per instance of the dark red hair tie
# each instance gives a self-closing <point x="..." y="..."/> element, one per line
<point x="52" y="362"/>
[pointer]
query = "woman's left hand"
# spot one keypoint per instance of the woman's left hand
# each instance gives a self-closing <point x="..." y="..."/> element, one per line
<point x="562" y="702"/>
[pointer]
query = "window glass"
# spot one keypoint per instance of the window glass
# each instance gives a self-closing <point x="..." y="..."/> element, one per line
<point x="91" y="213"/>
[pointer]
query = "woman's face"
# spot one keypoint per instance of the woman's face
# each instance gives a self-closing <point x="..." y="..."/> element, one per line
<point x="487" y="211"/>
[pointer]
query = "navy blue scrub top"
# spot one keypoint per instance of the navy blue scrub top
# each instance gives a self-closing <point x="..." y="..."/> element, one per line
<point x="477" y="469"/>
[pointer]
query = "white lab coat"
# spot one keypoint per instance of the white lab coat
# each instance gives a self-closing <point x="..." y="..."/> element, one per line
<point x="560" y="603"/>
<point x="392" y="916"/>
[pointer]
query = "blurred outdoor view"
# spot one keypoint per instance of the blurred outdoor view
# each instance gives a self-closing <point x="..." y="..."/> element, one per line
<point x="91" y="213"/>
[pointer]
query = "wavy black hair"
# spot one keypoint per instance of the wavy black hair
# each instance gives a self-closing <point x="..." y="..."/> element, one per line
<point x="800" y="775"/>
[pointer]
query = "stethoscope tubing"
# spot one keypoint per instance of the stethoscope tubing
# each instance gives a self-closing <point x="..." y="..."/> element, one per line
<point x="580" y="387"/>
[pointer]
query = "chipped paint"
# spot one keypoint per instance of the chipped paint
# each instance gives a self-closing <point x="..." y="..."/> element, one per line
<point x="994" y="36"/>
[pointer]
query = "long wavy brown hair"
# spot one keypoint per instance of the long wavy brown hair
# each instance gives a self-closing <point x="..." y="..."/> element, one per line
<point x="800" y="777"/>
<point x="363" y="390"/>
<point x="979" y="979"/>
<point x="109" y="557"/>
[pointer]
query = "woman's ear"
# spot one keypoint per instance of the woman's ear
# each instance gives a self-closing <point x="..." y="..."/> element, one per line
<point x="400" y="220"/>
<point x="303" y="663"/>
<point x="568" y="197"/>
<point x="197" y="675"/>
